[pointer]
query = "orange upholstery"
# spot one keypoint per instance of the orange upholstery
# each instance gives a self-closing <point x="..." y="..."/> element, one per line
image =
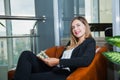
<point x="11" y="74"/>
<point x="55" y="51"/>
<point x="97" y="70"/>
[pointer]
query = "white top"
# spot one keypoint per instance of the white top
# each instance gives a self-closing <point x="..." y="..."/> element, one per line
<point x="66" y="55"/>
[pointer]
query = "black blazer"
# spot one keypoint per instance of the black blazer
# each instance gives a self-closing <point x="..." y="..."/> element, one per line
<point x="81" y="56"/>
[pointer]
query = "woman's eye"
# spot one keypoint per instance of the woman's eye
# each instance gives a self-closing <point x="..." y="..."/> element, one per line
<point x="78" y="24"/>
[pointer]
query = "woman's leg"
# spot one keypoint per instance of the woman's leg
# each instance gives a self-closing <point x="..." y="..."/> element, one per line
<point x="48" y="76"/>
<point x="28" y="63"/>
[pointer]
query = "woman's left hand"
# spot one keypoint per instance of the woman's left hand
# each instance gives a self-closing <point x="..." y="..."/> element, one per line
<point x="51" y="61"/>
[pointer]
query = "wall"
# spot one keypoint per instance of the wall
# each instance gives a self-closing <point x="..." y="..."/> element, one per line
<point x="3" y="72"/>
<point x="46" y="29"/>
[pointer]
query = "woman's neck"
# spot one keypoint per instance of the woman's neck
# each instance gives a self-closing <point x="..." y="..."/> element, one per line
<point x="80" y="40"/>
<point x="75" y="45"/>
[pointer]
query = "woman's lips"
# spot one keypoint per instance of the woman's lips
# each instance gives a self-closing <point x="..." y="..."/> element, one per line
<point x="77" y="33"/>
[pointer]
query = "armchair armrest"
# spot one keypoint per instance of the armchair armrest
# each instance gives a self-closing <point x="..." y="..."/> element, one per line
<point x="97" y="70"/>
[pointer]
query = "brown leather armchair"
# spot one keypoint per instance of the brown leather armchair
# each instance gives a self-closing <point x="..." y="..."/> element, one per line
<point x="97" y="70"/>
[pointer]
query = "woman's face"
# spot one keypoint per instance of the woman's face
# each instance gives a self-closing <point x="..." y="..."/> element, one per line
<point x="78" y="28"/>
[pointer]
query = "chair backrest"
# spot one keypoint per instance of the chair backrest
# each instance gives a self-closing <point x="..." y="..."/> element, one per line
<point x="55" y="51"/>
<point x="97" y="70"/>
<point x="100" y="64"/>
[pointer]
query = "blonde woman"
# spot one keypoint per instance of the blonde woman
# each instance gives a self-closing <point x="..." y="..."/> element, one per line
<point x="79" y="52"/>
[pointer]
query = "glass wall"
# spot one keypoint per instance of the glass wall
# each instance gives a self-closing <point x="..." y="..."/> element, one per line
<point x="22" y="8"/>
<point x="3" y="44"/>
<point x="16" y="37"/>
<point x="95" y="11"/>
<point x="2" y="7"/>
<point x="105" y="11"/>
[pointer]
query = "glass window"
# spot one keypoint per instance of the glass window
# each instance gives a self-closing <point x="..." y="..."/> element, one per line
<point x="3" y="51"/>
<point x="3" y="44"/>
<point x="2" y="28"/>
<point x="19" y="38"/>
<point x="1" y="7"/>
<point x="95" y="11"/>
<point x="22" y="26"/>
<point x="105" y="11"/>
<point x="22" y="8"/>
<point x="21" y="29"/>
<point x="19" y="45"/>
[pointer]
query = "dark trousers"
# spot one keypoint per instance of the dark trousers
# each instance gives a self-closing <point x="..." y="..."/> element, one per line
<point x="30" y="67"/>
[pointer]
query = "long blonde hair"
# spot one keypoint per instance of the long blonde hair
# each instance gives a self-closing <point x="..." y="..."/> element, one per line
<point x="73" y="39"/>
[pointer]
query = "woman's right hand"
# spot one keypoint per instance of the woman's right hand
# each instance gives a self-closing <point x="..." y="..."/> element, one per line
<point x="51" y="61"/>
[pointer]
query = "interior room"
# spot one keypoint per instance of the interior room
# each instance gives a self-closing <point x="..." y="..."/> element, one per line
<point x="36" y="25"/>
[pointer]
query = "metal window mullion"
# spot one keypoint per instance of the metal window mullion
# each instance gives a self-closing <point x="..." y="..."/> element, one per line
<point x="6" y="17"/>
<point x="116" y="19"/>
<point x="116" y="28"/>
<point x="9" y="33"/>
<point x="56" y="23"/>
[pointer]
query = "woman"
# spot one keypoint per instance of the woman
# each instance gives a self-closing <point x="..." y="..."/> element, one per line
<point x="79" y="52"/>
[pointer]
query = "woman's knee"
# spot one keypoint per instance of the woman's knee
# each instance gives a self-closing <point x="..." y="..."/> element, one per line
<point x="26" y="53"/>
